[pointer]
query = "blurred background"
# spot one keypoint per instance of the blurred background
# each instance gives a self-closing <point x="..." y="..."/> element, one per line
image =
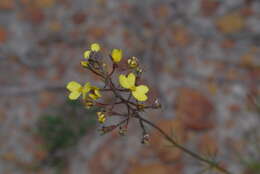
<point x="201" y="58"/>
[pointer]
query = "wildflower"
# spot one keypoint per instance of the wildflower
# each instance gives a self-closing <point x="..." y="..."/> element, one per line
<point x="95" y="47"/>
<point x="95" y="94"/>
<point x="76" y="90"/>
<point x="128" y="82"/>
<point x="101" y="117"/>
<point x="132" y="62"/>
<point x="116" y="55"/>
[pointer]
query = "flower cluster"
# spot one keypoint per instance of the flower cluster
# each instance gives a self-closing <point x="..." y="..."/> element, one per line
<point x="126" y="91"/>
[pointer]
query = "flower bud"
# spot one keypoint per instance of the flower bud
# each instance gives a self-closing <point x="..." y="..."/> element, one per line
<point x="133" y="62"/>
<point x="116" y="55"/>
<point x="145" y="139"/>
<point x="89" y="104"/>
<point x="157" y="104"/>
<point x="101" y="117"/>
<point x="84" y="64"/>
<point x="122" y="130"/>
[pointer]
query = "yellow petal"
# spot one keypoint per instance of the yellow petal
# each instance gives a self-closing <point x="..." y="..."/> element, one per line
<point x="86" y="88"/>
<point x="127" y="82"/>
<point x="116" y="55"/>
<point x="139" y="96"/>
<point x="74" y="95"/>
<point x="97" y="92"/>
<point x="140" y="92"/>
<point x="142" y="89"/>
<point x="93" y="96"/>
<point x="123" y="81"/>
<point x="73" y="86"/>
<point x="86" y="54"/>
<point x="131" y="80"/>
<point x="95" y="47"/>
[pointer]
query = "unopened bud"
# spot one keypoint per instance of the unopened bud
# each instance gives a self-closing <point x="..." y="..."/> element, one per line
<point x="145" y="139"/>
<point x="84" y="64"/>
<point x="122" y="131"/>
<point x="157" y="104"/>
<point x="89" y="104"/>
<point x="133" y="62"/>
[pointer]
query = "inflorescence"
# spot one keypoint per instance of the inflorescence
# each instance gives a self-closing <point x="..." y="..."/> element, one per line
<point x="126" y="91"/>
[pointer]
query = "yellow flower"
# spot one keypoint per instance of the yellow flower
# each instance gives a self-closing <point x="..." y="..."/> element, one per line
<point x="95" y="94"/>
<point x="76" y="90"/>
<point x="95" y="47"/>
<point x="128" y="82"/>
<point x="101" y="117"/>
<point x="117" y="55"/>
<point x="86" y="54"/>
<point x="133" y="62"/>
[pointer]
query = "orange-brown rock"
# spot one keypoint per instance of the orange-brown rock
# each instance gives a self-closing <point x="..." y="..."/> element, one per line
<point x="194" y="109"/>
<point x="155" y="168"/>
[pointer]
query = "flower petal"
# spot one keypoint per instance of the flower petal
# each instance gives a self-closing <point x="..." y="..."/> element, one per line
<point x="97" y="92"/>
<point x="86" y="88"/>
<point x="73" y="86"/>
<point x="139" y="96"/>
<point x="142" y="89"/>
<point x="74" y="95"/>
<point x="93" y="96"/>
<point x="123" y="81"/>
<point x="140" y="92"/>
<point x="131" y="80"/>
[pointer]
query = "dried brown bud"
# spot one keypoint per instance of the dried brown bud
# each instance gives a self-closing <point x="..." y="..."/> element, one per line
<point x="122" y="130"/>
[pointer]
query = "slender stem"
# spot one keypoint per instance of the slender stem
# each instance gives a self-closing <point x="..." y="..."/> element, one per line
<point x="209" y="162"/>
